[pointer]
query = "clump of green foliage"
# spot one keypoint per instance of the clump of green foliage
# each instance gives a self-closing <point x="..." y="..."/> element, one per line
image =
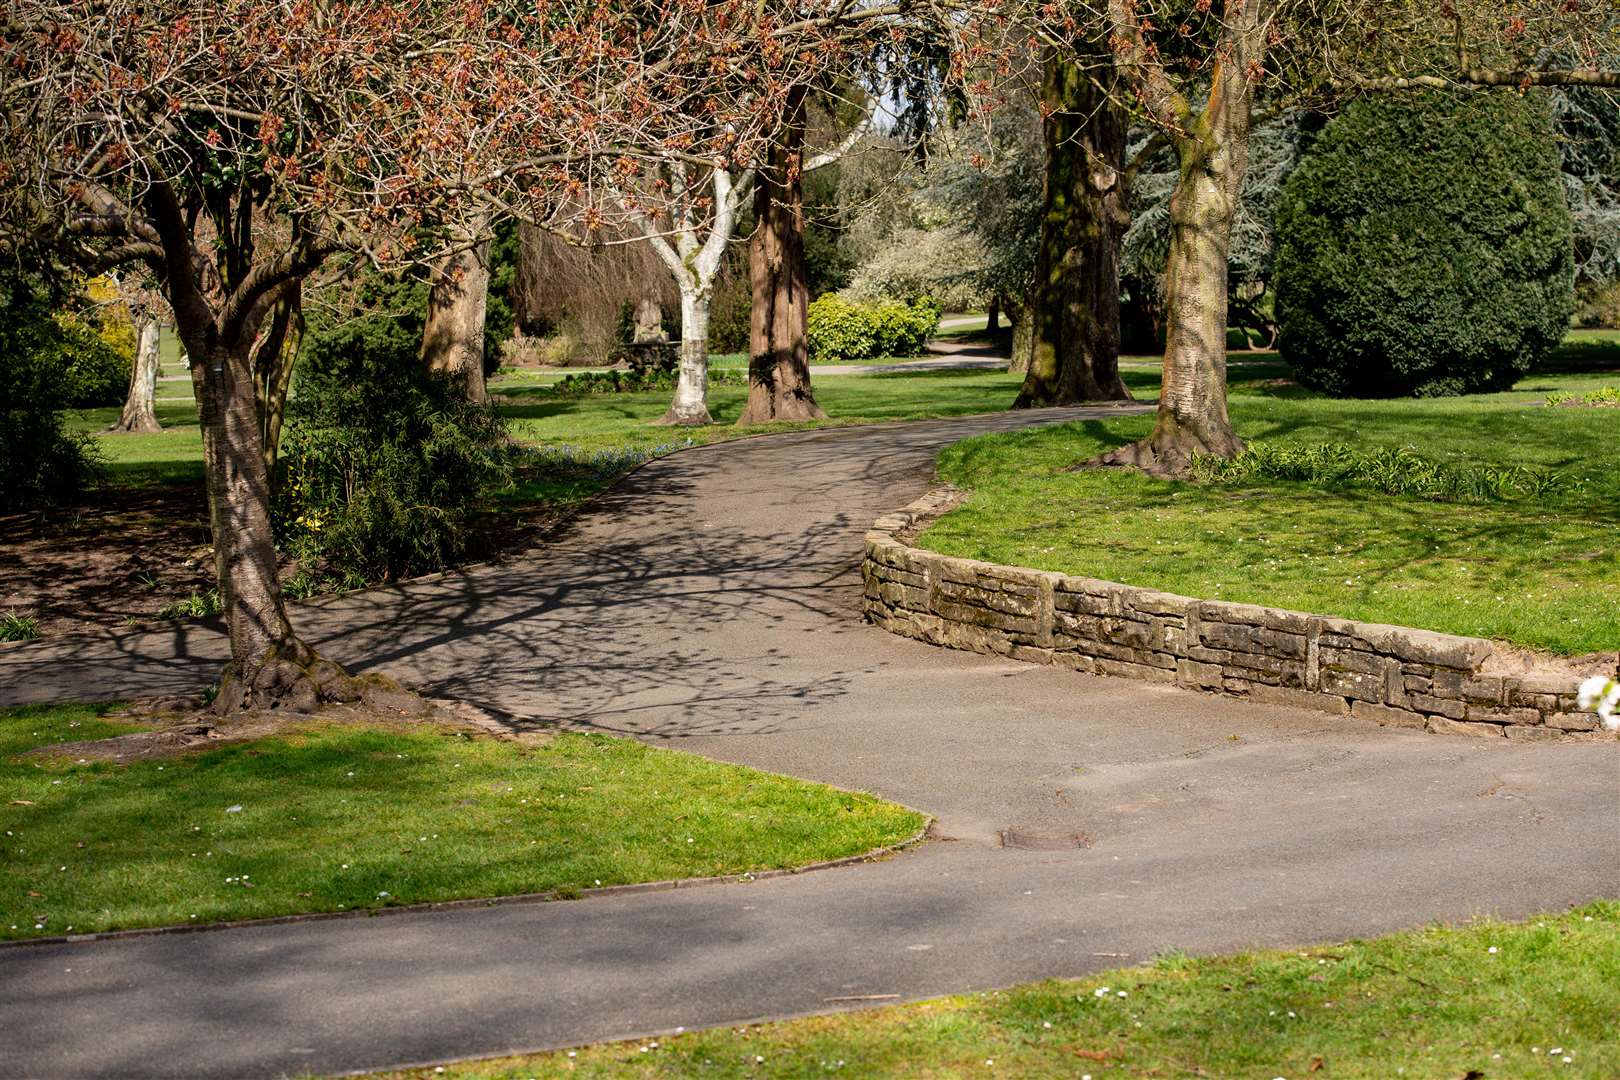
<point x="18" y="626"/>
<point x="1424" y="247"/>
<point x="199" y="605"/>
<point x="1392" y="470"/>
<point x="1607" y="397"/>
<point x="384" y="466"/>
<point x="95" y="373"/>
<point x="41" y="462"/>
<point x="839" y="329"/>
<point x="588" y="383"/>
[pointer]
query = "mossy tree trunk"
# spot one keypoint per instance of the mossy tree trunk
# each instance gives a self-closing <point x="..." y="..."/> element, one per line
<point x="778" y="347"/>
<point x="1074" y="347"/>
<point x="1192" y="417"/>
<point x="1023" y="337"/>
<point x="1212" y="148"/>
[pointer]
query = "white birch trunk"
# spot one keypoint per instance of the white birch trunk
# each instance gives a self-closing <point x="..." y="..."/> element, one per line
<point x="690" y="406"/>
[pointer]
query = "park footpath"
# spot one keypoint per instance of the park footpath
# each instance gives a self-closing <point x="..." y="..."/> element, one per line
<point x="712" y="602"/>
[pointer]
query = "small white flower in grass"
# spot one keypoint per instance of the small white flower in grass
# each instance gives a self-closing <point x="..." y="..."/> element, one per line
<point x="237" y="809"/>
<point x="1568" y="1060"/>
<point x="1555" y="1051"/>
<point x="990" y="1062"/>
<point x="1101" y="991"/>
<point x="573" y="1053"/>
<point x="1492" y="949"/>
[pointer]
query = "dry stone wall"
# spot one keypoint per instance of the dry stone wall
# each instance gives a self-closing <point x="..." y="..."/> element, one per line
<point x="1394" y="675"/>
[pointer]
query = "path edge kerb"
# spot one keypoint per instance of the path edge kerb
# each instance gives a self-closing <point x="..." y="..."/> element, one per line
<point x="1396" y="676"/>
<point x="549" y="896"/>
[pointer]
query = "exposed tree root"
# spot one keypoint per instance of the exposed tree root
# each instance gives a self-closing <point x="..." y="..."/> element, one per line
<point x="292" y="677"/>
<point x="670" y="419"/>
<point x="189" y="724"/>
<point x="794" y="407"/>
<point x="1168" y="457"/>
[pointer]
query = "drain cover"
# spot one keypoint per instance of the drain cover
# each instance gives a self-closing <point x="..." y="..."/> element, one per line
<point x="1029" y="841"/>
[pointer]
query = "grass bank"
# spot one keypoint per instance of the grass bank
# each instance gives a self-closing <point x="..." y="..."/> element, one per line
<point x="1538" y="571"/>
<point x="332" y="818"/>
<point x="1485" y="1000"/>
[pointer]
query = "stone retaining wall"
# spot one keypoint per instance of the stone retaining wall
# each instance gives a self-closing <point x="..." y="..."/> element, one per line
<point x="1393" y="675"/>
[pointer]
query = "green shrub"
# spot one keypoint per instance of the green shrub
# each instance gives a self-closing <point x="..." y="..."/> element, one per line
<point x="383" y="466"/>
<point x="1598" y="304"/>
<point x="589" y="383"/>
<point x="41" y="462"/>
<point x="840" y="329"/>
<point x="1424" y="247"/>
<point x="95" y="372"/>
<point x="1390" y="470"/>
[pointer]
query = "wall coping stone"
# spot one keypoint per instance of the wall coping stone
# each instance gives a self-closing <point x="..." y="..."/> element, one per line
<point x="1396" y="676"/>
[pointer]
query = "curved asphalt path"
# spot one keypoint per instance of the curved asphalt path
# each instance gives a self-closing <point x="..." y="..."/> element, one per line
<point x="710" y="603"/>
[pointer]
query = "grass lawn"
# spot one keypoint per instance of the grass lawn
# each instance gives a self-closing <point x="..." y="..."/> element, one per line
<point x="1485" y="1000"/>
<point x="605" y="422"/>
<point x="333" y="817"/>
<point x="1538" y="572"/>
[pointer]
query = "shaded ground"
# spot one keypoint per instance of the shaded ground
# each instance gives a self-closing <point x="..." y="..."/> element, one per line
<point x="127" y="553"/>
<point x="120" y="557"/>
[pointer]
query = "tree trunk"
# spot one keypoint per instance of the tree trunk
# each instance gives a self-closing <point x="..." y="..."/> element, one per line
<point x="1023" y="338"/>
<point x="778" y="345"/>
<point x="649" y="321"/>
<point x="140" y="410"/>
<point x="273" y="358"/>
<point x="1075" y="348"/>
<point x="992" y="319"/>
<point x="453" y="339"/>
<point x="1192" y="416"/>
<point x="270" y="667"/>
<point x="690" y="408"/>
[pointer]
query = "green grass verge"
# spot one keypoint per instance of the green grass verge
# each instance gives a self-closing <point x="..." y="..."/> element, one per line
<point x="1484" y="1000"/>
<point x="587" y="425"/>
<point x="1536" y="572"/>
<point x="336" y="818"/>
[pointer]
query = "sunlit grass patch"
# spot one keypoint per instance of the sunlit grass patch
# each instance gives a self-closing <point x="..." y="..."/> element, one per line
<point x="330" y="818"/>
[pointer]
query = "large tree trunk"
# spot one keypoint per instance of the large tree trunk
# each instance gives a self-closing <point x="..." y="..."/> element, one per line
<point x="1075" y="349"/>
<point x="778" y="344"/>
<point x="1023" y="338"/>
<point x="1212" y="146"/>
<point x="690" y="407"/>
<point x="453" y="339"/>
<point x="270" y="667"/>
<point x="1192" y="416"/>
<point x="140" y="410"/>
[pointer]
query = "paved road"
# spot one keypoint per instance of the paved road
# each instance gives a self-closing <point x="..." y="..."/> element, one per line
<point x="710" y="604"/>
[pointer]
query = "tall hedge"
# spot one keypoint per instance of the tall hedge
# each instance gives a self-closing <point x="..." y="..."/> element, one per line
<point x="1424" y="247"/>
